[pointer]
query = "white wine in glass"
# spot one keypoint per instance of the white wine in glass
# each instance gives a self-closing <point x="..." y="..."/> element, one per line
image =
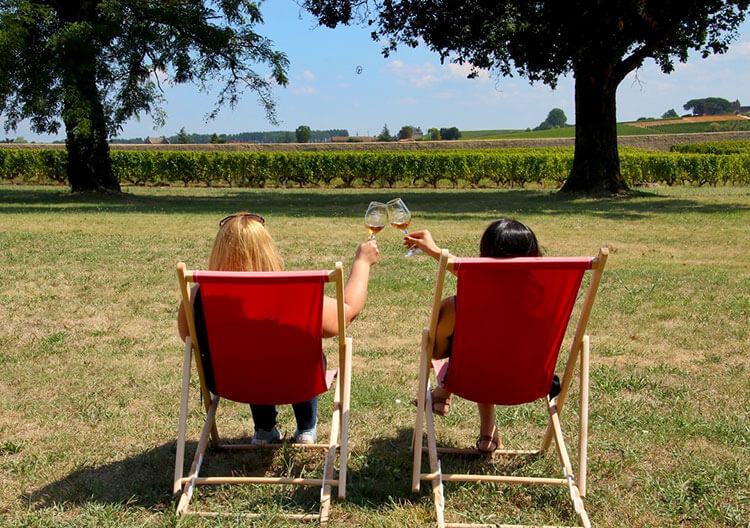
<point x="400" y="218"/>
<point x="375" y="218"/>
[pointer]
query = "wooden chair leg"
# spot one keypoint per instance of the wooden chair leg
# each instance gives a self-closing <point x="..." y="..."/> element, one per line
<point x="187" y="491"/>
<point x="182" y="424"/>
<point x="416" y="443"/>
<point x="346" y="391"/>
<point x="583" y="417"/>
<point x="575" y="494"/>
<point x="437" y="482"/>
<point x="325" y="495"/>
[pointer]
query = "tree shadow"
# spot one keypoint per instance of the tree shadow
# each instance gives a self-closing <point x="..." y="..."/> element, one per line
<point x="328" y="203"/>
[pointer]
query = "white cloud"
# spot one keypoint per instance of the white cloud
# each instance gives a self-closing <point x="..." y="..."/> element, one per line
<point x="463" y="70"/>
<point x="428" y="75"/>
<point x="418" y="75"/>
<point x="307" y="75"/>
<point x="304" y="90"/>
<point x="741" y="49"/>
<point x="408" y="100"/>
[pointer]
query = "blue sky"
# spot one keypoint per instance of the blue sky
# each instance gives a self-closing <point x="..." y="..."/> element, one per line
<point x="411" y="87"/>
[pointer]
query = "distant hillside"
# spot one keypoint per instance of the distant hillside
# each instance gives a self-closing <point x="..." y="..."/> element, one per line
<point x="487" y="134"/>
<point x="687" y="125"/>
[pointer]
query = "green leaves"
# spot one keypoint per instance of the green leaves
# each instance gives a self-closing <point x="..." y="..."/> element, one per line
<point x="130" y="48"/>
<point x="459" y="168"/>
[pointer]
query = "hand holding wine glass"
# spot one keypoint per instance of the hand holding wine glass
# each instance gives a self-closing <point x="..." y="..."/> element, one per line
<point x="400" y="218"/>
<point x="422" y="241"/>
<point x="375" y="218"/>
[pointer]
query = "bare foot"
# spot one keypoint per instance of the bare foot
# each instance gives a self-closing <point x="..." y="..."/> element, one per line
<point x="441" y="401"/>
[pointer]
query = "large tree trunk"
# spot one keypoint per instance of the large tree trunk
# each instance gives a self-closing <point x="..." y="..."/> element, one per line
<point x="596" y="163"/>
<point x="89" y="166"/>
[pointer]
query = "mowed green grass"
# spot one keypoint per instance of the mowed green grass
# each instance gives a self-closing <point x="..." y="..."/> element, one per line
<point x="90" y="359"/>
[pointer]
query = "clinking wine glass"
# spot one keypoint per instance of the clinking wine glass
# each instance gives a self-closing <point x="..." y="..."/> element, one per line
<point x="375" y="218"/>
<point x="400" y="217"/>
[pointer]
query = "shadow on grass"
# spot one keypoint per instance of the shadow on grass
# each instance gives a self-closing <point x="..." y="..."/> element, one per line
<point x="351" y="202"/>
<point x="383" y="477"/>
<point x="145" y="480"/>
<point x="379" y="477"/>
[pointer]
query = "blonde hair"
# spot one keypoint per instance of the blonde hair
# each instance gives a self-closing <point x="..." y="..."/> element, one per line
<point x="244" y="244"/>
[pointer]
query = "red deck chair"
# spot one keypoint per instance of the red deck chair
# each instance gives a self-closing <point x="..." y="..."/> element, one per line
<point x="264" y="336"/>
<point x="511" y="317"/>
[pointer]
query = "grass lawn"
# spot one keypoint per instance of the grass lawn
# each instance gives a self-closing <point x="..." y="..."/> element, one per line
<point x="90" y="359"/>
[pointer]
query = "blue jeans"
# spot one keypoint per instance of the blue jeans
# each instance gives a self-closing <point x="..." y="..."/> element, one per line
<point x="306" y="414"/>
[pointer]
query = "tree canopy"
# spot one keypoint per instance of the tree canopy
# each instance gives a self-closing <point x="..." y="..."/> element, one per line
<point x="709" y="106"/>
<point x="599" y="42"/>
<point x="406" y="132"/>
<point x="555" y="119"/>
<point x="450" y="133"/>
<point x="302" y="134"/>
<point x="93" y="65"/>
<point x="385" y="134"/>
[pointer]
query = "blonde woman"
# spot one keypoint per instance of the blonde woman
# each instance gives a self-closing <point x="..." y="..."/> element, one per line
<point x="244" y="244"/>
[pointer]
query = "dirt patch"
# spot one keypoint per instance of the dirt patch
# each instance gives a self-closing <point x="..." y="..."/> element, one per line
<point x="692" y="119"/>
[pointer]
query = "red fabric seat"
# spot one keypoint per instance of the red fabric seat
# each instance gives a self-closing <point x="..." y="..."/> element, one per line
<point x="264" y="333"/>
<point x="511" y="317"/>
<point x="258" y="339"/>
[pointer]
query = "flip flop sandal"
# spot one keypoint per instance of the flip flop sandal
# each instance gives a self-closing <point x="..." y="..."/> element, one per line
<point x="493" y="440"/>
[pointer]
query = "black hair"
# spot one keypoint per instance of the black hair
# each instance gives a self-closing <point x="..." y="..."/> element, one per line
<point x="505" y="238"/>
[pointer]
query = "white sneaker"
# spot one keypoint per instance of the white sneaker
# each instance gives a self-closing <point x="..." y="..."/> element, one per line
<point x="263" y="437"/>
<point x="308" y="436"/>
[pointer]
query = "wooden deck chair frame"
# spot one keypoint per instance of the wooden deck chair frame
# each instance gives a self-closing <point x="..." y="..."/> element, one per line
<point x="338" y="438"/>
<point x="580" y="348"/>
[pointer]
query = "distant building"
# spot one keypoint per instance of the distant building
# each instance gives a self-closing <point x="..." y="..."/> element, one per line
<point x="357" y="139"/>
<point x="154" y="140"/>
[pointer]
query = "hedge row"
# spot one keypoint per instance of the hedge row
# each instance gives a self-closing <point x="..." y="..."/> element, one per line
<point x="718" y="147"/>
<point x="505" y="168"/>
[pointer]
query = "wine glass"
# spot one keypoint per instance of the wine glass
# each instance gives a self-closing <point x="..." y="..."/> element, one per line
<point x="375" y="217"/>
<point x="400" y="217"/>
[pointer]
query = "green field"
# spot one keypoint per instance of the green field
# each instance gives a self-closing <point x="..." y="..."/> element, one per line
<point x="623" y="129"/>
<point x="90" y="357"/>
<point x="487" y="134"/>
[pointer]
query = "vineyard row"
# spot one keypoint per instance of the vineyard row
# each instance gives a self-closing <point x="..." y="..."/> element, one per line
<point x="503" y="168"/>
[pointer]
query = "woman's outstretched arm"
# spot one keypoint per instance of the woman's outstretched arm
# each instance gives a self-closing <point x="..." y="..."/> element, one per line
<point x="355" y="291"/>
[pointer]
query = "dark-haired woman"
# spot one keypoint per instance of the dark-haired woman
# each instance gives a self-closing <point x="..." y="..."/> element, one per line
<point x="503" y="238"/>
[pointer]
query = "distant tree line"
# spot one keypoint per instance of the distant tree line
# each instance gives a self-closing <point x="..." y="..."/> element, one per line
<point x="711" y="106"/>
<point x="281" y="136"/>
<point x="412" y="132"/>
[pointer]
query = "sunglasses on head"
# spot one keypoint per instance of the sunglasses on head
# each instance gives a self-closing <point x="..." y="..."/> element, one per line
<point x="252" y="216"/>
